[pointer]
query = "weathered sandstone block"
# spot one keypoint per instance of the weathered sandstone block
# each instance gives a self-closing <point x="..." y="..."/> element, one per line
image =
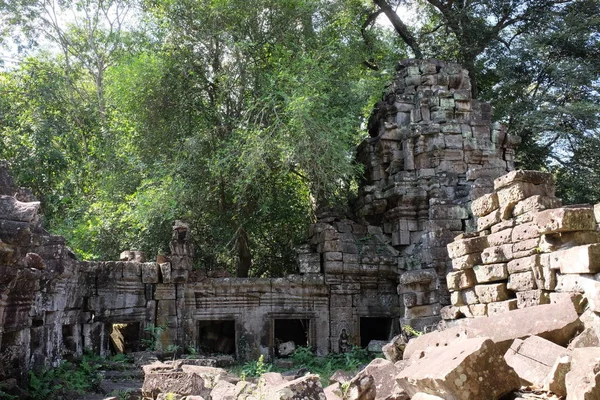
<point x="467" y="246"/>
<point x="471" y="369"/>
<point x="490" y="272"/>
<point x="577" y="260"/>
<point x="534" y="177"/>
<point x="485" y="204"/>
<point x="555" y="322"/>
<point x="533" y="359"/>
<point x="306" y="387"/>
<point x="461" y="279"/>
<point x="535" y="203"/>
<point x="565" y="220"/>
<point x="492" y="292"/>
<point x="583" y="380"/>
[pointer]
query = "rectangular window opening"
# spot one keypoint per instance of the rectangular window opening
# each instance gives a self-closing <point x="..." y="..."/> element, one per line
<point x="216" y="337"/>
<point x="375" y="329"/>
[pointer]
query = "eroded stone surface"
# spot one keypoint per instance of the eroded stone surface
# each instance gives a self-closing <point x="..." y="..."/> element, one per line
<point x="470" y="369"/>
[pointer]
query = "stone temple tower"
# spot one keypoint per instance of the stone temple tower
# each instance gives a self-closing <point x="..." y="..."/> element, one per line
<point x="432" y="150"/>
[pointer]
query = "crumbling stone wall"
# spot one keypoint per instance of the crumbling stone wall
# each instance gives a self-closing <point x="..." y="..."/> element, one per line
<point x="527" y="250"/>
<point x="432" y="150"/>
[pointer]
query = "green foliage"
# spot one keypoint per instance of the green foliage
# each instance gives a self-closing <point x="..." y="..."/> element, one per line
<point x="155" y="332"/>
<point x="256" y="368"/>
<point x="64" y="381"/>
<point x="304" y="357"/>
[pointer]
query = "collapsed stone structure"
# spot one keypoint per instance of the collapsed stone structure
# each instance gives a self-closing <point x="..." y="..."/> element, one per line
<point x="528" y="250"/>
<point x="432" y="150"/>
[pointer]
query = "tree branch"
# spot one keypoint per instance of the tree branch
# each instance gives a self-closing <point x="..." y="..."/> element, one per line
<point x="400" y="27"/>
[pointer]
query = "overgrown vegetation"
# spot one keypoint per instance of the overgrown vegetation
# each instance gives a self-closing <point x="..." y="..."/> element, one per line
<point x="241" y="116"/>
<point x="65" y="380"/>
<point x="305" y="358"/>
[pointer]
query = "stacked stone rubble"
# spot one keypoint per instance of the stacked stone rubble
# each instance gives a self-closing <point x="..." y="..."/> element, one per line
<point x="527" y="250"/>
<point x="360" y="269"/>
<point x="433" y="149"/>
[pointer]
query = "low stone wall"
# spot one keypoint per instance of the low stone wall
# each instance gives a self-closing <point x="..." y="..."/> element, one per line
<point x="527" y="250"/>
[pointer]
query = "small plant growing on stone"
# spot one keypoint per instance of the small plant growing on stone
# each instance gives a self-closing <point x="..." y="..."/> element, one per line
<point x="256" y="368"/>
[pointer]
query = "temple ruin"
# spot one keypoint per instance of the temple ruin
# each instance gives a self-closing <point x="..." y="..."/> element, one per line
<point x="432" y="151"/>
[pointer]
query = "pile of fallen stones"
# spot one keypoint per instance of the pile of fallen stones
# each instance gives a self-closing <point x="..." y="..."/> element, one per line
<point x="528" y="250"/>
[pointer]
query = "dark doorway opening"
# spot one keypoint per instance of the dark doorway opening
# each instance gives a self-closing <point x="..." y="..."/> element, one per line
<point x="216" y="337"/>
<point x="69" y="339"/>
<point x="375" y="329"/>
<point x="292" y="330"/>
<point x="125" y="338"/>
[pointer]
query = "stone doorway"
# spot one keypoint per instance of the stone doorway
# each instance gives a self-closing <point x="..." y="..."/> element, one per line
<point x="216" y="336"/>
<point x="125" y="337"/>
<point x="376" y="328"/>
<point x="291" y="330"/>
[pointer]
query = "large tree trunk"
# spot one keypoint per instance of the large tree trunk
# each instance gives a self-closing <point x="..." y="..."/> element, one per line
<point x="242" y="246"/>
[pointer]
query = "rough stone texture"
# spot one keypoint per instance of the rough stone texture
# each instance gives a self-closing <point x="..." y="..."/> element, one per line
<point x="177" y="382"/>
<point x="555" y="380"/>
<point x="470" y="369"/>
<point x="533" y="359"/>
<point x="555" y="322"/>
<point x="577" y="260"/>
<point x="583" y="380"/>
<point x="384" y="373"/>
<point x="565" y="220"/>
<point x="361" y="387"/>
<point x="307" y="387"/>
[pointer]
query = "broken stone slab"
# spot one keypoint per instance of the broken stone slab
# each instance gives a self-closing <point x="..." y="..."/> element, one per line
<point x="535" y="177"/>
<point x="177" y="382"/>
<point x="223" y="390"/>
<point x="555" y="380"/>
<point x="471" y="369"/>
<point x="555" y="322"/>
<point x="587" y="338"/>
<point x="485" y="204"/>
<point x="467" y="246"/>
<point x="533" y="359"/>
<point x="583" y="380"/>
<point x="306" y="387"/>
<point x="210" y="375"/>
<point x="384" y="373"/>
<point x="577" y="260"/>
<point x="579" y="302"/>
<point x="581" y="283"/>
<point x="565" y="219"/>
